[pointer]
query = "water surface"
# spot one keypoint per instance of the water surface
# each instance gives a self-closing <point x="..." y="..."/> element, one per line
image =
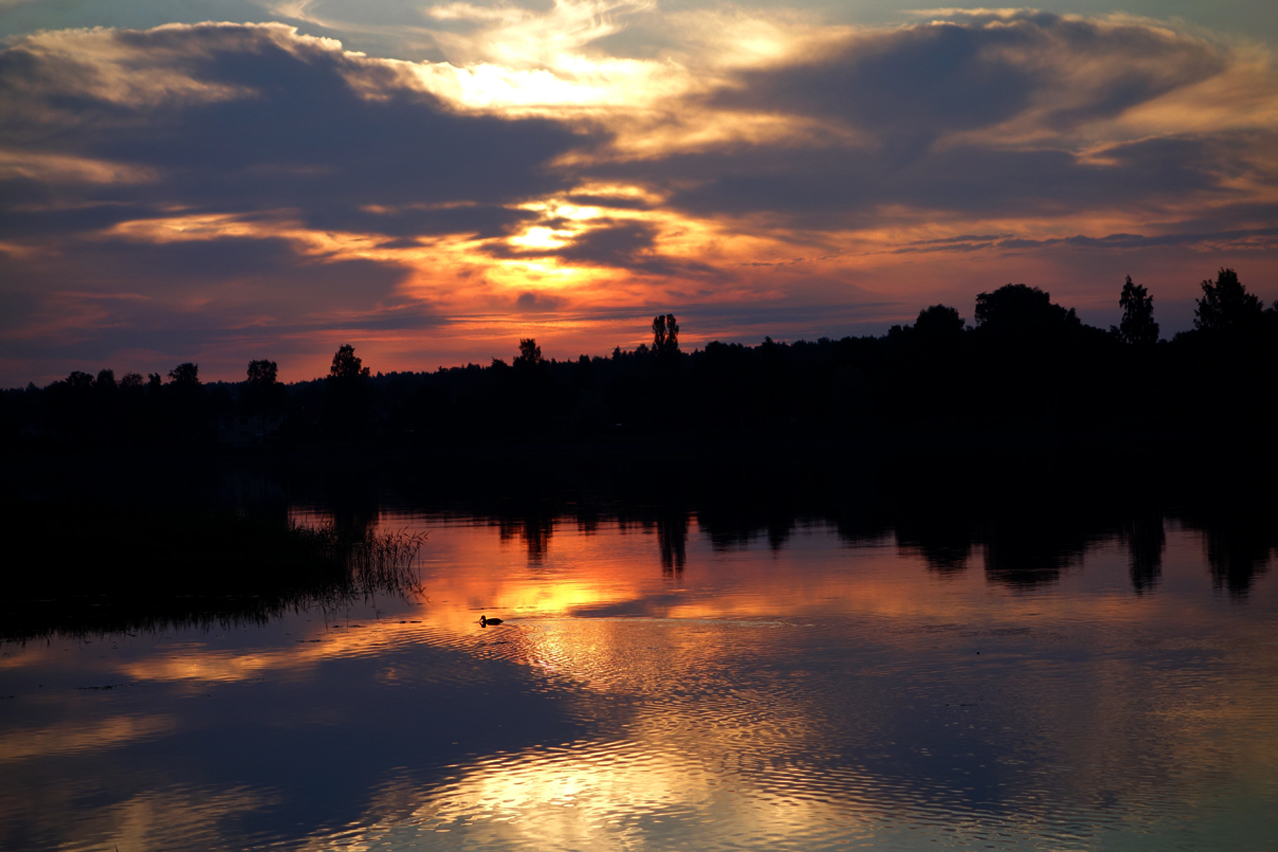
<point x="662" y="685"/>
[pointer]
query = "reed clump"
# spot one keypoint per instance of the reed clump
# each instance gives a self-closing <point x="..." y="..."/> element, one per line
<point x="374" y="562"/>
<point x="77" y="569"/>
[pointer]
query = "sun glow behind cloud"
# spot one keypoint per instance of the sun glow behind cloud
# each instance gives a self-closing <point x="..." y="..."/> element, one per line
<point x="745" y="160"/>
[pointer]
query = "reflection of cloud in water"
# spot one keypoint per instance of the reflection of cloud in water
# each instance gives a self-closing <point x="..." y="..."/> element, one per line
<point x="66" y="738"/>
<point x="198" y="665"/>
<point x="175" y="818"/>
<point x="606" y="795"/>
<point x="692" y="752"/>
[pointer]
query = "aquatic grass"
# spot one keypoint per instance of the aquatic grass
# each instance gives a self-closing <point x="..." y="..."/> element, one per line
<point x="75" y="569"/>
<point x="373" y="562"/>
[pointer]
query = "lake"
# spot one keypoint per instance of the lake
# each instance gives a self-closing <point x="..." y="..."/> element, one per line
<point x="669" y="682"/>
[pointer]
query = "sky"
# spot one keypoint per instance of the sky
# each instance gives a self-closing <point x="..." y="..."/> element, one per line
<point x="224" y="180"/>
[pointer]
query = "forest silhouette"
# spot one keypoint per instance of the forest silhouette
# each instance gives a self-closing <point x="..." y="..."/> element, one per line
<point x="1028" y="437"/>
<point x="1027" y="363"/>
<point x="99" y="546"/>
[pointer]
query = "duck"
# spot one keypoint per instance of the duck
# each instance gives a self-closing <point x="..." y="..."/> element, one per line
<point x="484" y="621"/>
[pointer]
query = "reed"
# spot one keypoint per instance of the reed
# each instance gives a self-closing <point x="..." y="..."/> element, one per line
<point x="76" y="569"/>
<point x="374" y="563"/>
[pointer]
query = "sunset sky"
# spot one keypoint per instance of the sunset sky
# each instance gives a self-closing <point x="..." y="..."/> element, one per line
<point x="220" y="180"/>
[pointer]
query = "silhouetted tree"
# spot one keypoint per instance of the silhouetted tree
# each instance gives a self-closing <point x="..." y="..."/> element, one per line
<point x="132" y="392"/>
<point x="347" y="403"/>
<point x="1021" y="309"/>
<point x="1137" y="326"/>
<point x="529" y="353"/>
<point x="185" y="377"/>
<point x="184" y="403"/>
<point x="939" y="322"/>
<point x="262" y="373"/>
<point x="585" y="372"/>
<point x="78" y="380"/>
<point x="346" y="364"/>
<point x="1031" y="354"/>
<point x="262" y="393"/>
<point x="665" y="335"/>
<point x="1226" y="304"/>
<point x="70" y="402"/>
<point x="186" y="391"/>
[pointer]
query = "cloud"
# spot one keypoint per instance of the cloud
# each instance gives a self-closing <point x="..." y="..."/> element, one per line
<point x="478" y="220"/>
<point x="986" y="115"/>
<point x="537" y="302"/>
<point x="238" y="181"/>
<point x="1016" y="115"/>
<point x="1258" y="239"/>
<point x="242" y="180"/>
<point x="233" y="118"/>
<point x="604" y="242"/>
<point x="833" y="189"/>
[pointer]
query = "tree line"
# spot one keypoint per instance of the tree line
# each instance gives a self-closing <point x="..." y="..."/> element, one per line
<point x="1025" y="363"/>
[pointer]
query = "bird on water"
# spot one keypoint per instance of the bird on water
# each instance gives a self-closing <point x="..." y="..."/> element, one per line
<point x="484" y="621"/>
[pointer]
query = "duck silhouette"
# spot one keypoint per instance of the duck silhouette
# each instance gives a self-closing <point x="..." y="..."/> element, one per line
<point x="484" y="621"/>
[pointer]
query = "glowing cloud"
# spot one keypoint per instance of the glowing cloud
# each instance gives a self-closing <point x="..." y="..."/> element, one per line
<point x="599" y="159"/>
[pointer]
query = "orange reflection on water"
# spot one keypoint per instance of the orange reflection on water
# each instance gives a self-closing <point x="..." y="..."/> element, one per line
<point x="804" y="695"/>
<point x="64" y="738"/>
<point x="534" y="574"/>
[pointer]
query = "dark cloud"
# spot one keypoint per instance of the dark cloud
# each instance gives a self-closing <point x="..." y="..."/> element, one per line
<point x="928" y="106"/>
<point x="530" y="302"/>
<point x="910" y="86"/>
<point x="834" y="187"/>
<point x="18" y="221"/>
<point x="256" y="119"/>
<point x="478" y="221"/>
<point x="615" y="244"/>
<point x="907" y="86"/>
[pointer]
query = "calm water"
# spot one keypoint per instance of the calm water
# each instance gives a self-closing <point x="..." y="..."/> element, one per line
<point x="651" y="690"/>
